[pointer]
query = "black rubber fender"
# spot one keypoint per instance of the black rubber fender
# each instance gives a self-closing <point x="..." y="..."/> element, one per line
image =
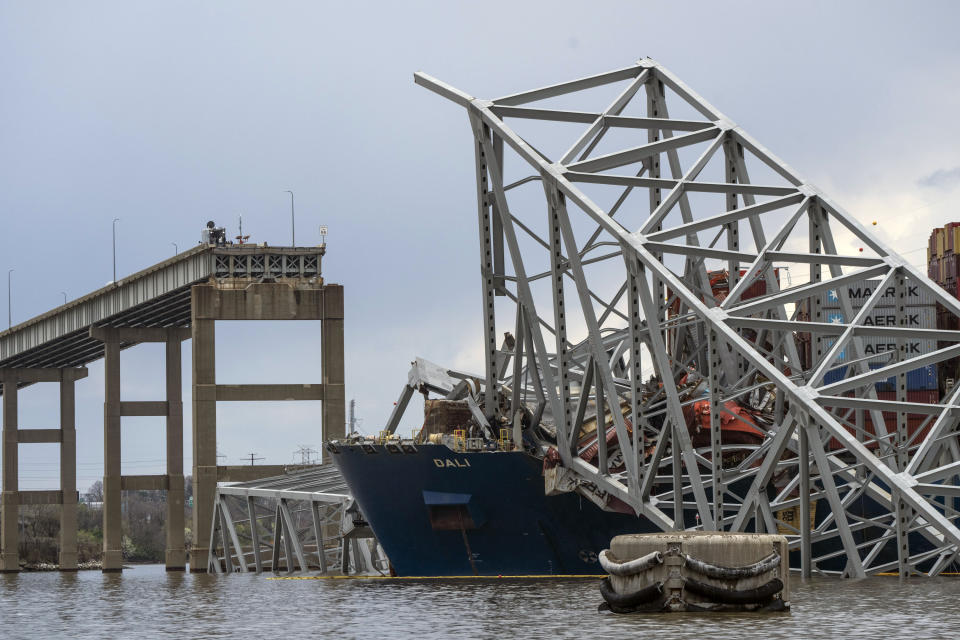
<point x="630" y="600"/>
<point x="758" y="595"/>
<point x="769" y="563"/>
<point x="631" y="567"/>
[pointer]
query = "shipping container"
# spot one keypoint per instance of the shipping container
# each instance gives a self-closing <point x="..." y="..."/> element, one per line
<point x="947" y="320"/>
<point x="950" y="287"/>
<point x="952" y="231"/>
<point x="755" y="290"/>
<point x="920" y="317"/>
<point x="917" y="429"/>
<point x="914" y="317"/>
<point x="921" y="396"/>
<point x="921" y="379"/>
<point x="860" y="292"/>
<point x="878" y="345"/>
<point x="917" y="424"/>
<point x="948" y="268"/>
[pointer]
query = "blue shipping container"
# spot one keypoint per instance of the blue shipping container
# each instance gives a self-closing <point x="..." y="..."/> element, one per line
<point x="922" y="379"/>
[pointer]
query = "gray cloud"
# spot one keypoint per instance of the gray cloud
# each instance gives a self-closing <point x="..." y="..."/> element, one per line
<point x="101" y="117"/>
<point x="941" y="179"/>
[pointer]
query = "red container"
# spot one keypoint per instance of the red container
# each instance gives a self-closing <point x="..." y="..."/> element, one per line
<point x="948" y="231"/>
<point x="948" y="268"/>
<point x="925" y="397"/>
<point x="721" y="287"/>
<point x="950" y="286"/>
<point x="947" y="320"/>
<point x="914" y="420"/>
<point x="915" y="434"/>
<point x="758" y="288"/>
<point x="755" y="290"/>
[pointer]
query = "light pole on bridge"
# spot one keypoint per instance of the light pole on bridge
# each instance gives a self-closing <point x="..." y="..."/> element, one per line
<point x="9" y="298"/>
<point x="293" y="226"/>
<point x="115" y="221"/>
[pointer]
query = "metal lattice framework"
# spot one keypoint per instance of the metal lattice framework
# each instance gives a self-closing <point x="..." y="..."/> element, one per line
<point x="598" y="231"/>
<point x="304" y="519"/>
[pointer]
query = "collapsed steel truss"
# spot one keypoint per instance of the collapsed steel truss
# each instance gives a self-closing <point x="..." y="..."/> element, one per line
<point x="304" y="519"/>
<point x="599" y="258"/>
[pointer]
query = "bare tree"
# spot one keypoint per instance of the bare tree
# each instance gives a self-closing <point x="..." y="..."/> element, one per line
<point x="95" y="492"/>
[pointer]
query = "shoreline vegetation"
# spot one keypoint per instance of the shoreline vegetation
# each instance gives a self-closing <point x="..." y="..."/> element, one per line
<point x="91" y="565"/>
<point x="49" y="566"/>
<point x="144" y="515"/>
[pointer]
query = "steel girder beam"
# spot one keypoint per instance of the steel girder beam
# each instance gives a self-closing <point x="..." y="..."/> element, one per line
<point x="658" y="313"/>
<point x="257" y="523"/>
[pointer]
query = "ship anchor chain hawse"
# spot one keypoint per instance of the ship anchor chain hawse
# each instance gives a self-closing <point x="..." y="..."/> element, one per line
<point x="678" y="334"/>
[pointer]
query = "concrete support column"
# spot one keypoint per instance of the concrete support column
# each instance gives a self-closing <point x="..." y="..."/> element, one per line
<point x="176" y="556"/>
<point x="332" y="367"/>
<point x="255" y="301"/>
<point x="204" y="436"/>
<point x="10" y="500"/>
<point x="112" y="495"/>
<point x="68" y="474"/>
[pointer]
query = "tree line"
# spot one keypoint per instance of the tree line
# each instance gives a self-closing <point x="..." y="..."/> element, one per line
<point x="144" y="517"/>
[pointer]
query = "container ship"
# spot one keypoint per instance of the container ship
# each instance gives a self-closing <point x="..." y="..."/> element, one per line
<point x="439" y="510"/>
<point x="448" y="502"/>
<point x="453" y="501"/>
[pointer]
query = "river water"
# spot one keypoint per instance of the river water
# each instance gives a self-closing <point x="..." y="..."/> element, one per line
<point x="146" y="602"/>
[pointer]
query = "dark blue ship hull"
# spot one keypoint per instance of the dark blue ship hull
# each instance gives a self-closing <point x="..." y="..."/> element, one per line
<point x="437" y="512"/>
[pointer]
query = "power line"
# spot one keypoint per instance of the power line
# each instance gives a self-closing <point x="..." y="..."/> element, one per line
<point x="307" y="455"/>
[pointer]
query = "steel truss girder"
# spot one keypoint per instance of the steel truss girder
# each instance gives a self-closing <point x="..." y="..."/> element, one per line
<point x="301" y="520"/>
<point x="811" y="441"/>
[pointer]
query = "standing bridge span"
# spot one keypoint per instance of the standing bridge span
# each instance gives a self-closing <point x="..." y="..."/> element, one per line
<point x="172" y="301"/>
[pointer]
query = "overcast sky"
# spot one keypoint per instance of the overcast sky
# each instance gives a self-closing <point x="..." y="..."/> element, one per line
<point x="168" y="114"/>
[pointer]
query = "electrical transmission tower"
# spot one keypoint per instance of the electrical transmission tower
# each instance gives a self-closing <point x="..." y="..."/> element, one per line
<point x="605" y="222"/>
<point x="307" y="454"/>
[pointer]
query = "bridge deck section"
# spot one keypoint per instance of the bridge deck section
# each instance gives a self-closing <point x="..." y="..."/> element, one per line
<point x="158" y="296"/>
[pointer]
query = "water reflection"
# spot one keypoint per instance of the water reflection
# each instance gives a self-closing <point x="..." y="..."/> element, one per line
<point x="147" y="602"/>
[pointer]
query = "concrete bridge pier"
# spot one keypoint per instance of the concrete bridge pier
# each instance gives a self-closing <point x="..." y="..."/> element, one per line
<point x="114" y="409"/>
<point x="13" y="436"/>
<point x="295" y="299"/>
